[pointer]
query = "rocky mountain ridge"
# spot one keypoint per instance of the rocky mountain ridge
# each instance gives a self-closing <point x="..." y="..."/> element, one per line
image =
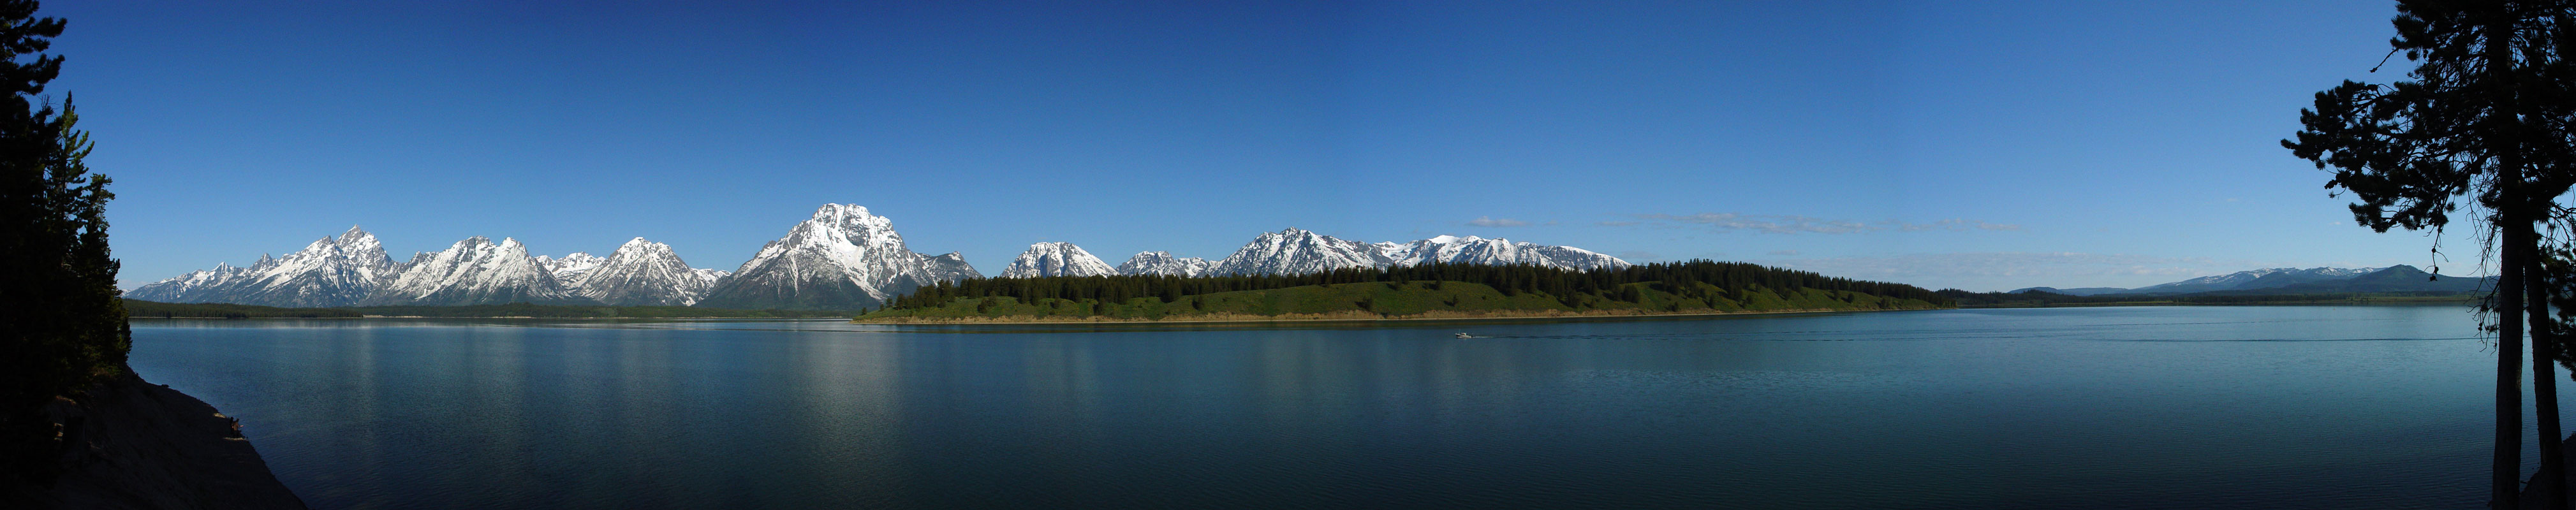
<point x="841" y="257"/>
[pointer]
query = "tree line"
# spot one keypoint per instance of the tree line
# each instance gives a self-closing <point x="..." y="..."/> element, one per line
<point x="61" y="327"/>
<point x="1513" y="279"/>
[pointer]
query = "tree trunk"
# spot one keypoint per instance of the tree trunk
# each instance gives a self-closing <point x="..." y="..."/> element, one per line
<point x="2544" y="377"/>
<point x="2501" y="131"/>
<point x="2508" y="447"/>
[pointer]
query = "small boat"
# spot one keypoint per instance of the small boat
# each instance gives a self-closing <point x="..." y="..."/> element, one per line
<point x="1464" y="335"/>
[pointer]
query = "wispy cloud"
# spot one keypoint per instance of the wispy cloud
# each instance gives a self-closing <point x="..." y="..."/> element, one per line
<point x="1489" y="221"/>
<point x="1793" y="224"/>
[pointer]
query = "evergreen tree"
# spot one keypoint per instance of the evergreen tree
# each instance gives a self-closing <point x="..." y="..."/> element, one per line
<point x="2475" y="120"/>
<point x="65" y="326"/>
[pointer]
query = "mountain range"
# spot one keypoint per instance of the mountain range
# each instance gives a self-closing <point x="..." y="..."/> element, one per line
<point x="2319" y="280"/>
<point x="842" y="257"/>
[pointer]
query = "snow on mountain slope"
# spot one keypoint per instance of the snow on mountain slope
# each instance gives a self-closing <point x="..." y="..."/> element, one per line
<point x="472" y="272"/>
<point x="1161" y="263"/>
<point x="1477" y="250"/>
<point x="1056" y="259"/>
<point x="327" y="272"/>
<point x="641" y="273"/>
<point x="568" y="270"/>
<point x="841" y="258"/>
<point x="2259" y="278"/>
<point x="1296" y="251"/>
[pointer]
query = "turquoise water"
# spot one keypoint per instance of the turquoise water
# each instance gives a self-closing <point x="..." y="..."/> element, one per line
<point x="2163" y="407"/>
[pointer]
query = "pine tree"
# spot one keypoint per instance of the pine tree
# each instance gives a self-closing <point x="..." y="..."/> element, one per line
<point x="2483" y="116"/>
<point x="65" y="328"/>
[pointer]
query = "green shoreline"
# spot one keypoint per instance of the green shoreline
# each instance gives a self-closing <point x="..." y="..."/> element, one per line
<point x="1013" y="320"/>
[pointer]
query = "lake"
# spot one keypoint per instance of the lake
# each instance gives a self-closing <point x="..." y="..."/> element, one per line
<point x="2146" y="407"/>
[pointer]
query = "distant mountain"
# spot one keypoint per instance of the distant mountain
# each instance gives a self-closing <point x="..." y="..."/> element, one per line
<point x="2255" y="279"/>
<point x="1161" y="263"/>
<point x="473" y="271"/>
<point x="2078" y="291"/>
<point x="1056" y="259"/>
<point x="639" y="273"/>
<point x="568" y="270"/>
<point x="841" y="258"/>
<point x="1495" y="252"/>
<point x="1296" y="251"/>
<point x="2285" y="280"/>
<point x="328" y="272"/>
<point x="2398" y="278"/>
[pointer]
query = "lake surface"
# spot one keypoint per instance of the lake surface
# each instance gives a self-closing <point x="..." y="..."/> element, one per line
<point x="2160" y="407"/>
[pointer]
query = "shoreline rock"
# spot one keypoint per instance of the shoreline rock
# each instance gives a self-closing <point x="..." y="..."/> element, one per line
<point x="128" y="443"/>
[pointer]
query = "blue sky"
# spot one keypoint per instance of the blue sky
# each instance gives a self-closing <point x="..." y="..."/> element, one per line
<point x="1977" y="145"/>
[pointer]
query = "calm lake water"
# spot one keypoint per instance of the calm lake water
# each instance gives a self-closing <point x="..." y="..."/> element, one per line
<point x="2165" y="407"/>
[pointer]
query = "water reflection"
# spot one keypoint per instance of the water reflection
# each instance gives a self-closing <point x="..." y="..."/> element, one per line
<point x="2155" y="407"/>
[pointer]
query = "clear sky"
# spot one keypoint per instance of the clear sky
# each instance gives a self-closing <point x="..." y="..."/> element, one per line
<point x="1979" y="145"/>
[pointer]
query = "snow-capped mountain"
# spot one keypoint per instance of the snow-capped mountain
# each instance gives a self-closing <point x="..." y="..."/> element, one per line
<point x="1296" y="251"/>
<point x="328" y="272"/>
<point x="841" y="258"/>
<point x="191" y="287"/>
<point x="473" y="271"/>
<point x="1478" y="250"/>
<point x="2255" y="279"/>
<point x="568" y="270"/>
<point x="1162" y="263"/>
<point x="1056" y="259"/>
<point x="639" y="273"/>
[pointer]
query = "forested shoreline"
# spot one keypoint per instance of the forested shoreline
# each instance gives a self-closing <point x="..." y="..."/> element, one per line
<point x="1422" y="291"/>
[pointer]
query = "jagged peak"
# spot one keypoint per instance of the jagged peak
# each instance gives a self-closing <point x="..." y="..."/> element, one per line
<point x="837" y="212"/>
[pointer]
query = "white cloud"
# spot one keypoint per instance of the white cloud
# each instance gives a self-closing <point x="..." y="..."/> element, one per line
<point x="1489" y="221"/>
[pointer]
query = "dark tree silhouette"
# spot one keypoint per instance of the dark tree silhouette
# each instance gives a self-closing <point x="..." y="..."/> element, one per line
<point x="65" y="328"/>
<point x="2472" y="121"/>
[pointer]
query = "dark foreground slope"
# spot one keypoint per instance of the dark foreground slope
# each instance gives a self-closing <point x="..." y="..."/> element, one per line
<point x="127" y="443"/>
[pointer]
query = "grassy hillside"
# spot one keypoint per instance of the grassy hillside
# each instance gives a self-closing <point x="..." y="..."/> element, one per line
<point x="1396" y="300"/>
<point x="151" y="309"/>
